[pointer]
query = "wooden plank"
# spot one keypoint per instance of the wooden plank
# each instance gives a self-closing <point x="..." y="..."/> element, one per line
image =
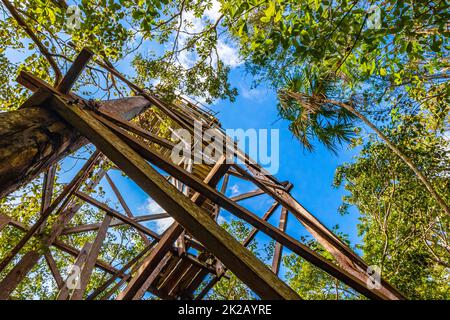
<point x="194" y="278"/>
<point x="89" y="264"/>
<point x="278" y="251"/>
<point x="54" y="269"/>
<point x="153" y="275"/>
<point x="115" y="222"/>
<point x="64" y="292"/>
<point x="170" y="282"/>
<point x="239" y="260"/>
<point x="187" y="279"/>
<point x="75" y="71"/>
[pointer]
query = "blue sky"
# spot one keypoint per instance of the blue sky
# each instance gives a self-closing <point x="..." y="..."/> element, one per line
<point x="311" y="173"/>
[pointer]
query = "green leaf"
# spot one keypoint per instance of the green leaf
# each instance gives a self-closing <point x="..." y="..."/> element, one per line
<point x="278" y="16"/>
<point x="270" y="11"/>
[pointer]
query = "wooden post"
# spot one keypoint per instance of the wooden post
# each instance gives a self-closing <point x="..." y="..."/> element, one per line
<point x="64" y="292"/>
<point x="278" y="247"/>
<point x="54" y="269"/>
<point x="89" y="264"/>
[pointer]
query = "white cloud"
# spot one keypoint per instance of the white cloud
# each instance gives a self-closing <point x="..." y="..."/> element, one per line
<point x="151" y="207"/>
<point x="221" y="220"/>
<point x="252" y="93"/>
<point x="162" y="224"/>
<point x="234" y="189"/>
<point x="214" y="12"/>
<point x="227" y="53"/>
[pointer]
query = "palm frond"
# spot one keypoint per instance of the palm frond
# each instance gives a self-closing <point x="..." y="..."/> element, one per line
<point x="313" y="119"/>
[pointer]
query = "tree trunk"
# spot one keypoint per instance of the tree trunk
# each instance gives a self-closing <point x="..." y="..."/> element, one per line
<point x="31" y="139"/>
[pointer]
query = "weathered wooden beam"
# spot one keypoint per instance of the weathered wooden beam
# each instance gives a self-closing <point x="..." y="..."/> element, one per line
<point x="115" y="222"/>
<point x="281" y="186"/>
<point x="64" y="292"/>
<point x="75" y="71"/>
<point x="247" y="195"/>
<point x="47" y="188"/>
<point x="278" y="252"/>
<point x="197" y="221"/>
<point x="120" y="273"/>
<point x="54" y="269"/>
<point x="47" y="191"/>
<point x="89" y="264"/>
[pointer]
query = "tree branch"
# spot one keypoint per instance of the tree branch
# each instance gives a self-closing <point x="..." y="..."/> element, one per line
<point x="32" y="35"/>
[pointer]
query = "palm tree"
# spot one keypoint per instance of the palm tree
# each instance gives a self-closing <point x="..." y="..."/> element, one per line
<point x="314" y="115"/>
<point x="332" y="126"/>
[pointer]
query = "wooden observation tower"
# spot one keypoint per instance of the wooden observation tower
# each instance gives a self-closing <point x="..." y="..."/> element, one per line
<point x="193" y="254"/>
